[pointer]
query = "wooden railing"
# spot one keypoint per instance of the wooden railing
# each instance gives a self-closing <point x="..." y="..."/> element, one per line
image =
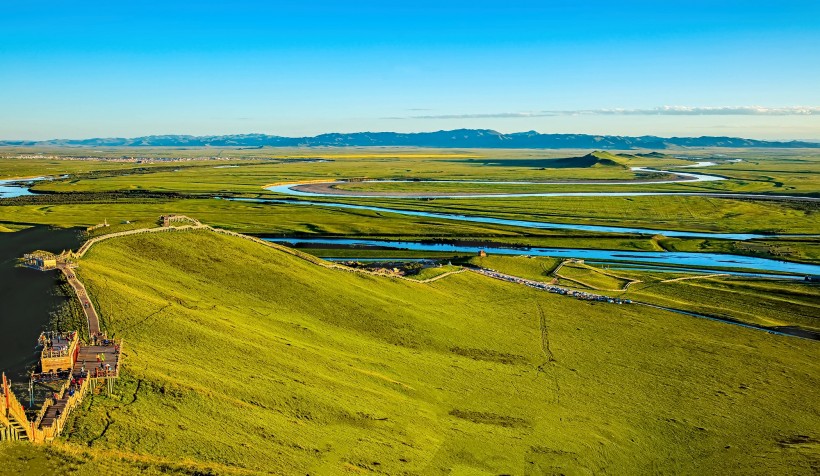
<point x="88" y="244"/>
<point x="53" y="431"/>
<point x="13" y="409"/>
<point x="49" y="352"/>
<point x="42" y="413"/>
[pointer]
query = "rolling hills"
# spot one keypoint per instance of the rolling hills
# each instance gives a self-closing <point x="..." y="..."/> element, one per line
<point x="241" y="359"/>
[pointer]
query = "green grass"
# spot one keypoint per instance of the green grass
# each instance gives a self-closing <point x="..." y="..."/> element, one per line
<point x="591" y="277"/>
<point x="282" y="219"/>
<point x="536" y="268"/>
<point x="659" y="212"/>
<point x="430" y="273"/>
<point x="358" y="253"/>
<point x="764" y="302"/>
<point x="772" y="171"/>
<point x="241" y="357"/>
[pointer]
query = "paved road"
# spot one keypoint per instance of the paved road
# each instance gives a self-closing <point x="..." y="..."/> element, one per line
<point x="82" y="295"/>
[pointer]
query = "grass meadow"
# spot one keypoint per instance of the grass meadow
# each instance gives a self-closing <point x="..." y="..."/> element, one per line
<point x="241" y="359"/>
<point x="246" y="359"/>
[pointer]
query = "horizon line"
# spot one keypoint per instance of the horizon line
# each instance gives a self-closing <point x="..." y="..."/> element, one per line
<point x="251" y="134"/>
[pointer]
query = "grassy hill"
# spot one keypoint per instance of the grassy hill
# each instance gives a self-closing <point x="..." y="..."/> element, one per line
<point x="593" y="159"/>
<point x="242" y="359"/>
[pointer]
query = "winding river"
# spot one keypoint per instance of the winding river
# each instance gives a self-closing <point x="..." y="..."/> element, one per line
<point x="19" y="187"/>
<point x="525" y="223"/>
<point x="330" y="189"/>
<point x="710" y="261"/>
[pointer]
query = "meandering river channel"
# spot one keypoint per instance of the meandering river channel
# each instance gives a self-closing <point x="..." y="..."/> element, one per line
<point x="713" y="261"/>
<point x="19" y="187"/>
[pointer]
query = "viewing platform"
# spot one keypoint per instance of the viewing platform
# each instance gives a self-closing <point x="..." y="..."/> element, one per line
<point x="40" y="260"/>
<point x="59" y="351"/>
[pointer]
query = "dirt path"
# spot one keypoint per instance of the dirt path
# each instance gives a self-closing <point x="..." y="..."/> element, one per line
<point x="435" y="278"/>
<point x="704" y="276"/>
<point x="629" y="282"/>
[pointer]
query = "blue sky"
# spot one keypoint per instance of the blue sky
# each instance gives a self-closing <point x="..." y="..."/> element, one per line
<point x="92" y="69"/>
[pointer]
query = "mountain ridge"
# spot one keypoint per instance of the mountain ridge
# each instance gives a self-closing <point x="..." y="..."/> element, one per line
<point x="458" y="138"/>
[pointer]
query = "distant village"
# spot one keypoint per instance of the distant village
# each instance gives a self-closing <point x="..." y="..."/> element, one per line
<point x="125" y="158"/>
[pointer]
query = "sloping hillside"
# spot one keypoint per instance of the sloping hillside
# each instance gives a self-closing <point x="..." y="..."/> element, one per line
<point x="244" y="359"/>
<point x="593" y="159"/>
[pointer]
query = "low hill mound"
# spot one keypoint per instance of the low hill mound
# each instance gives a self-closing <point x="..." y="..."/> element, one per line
<point x="243" y="359"/>
<point x="593" y="159"/>
<point x="653" y="155"/>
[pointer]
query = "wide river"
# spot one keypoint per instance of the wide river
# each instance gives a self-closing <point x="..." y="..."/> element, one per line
<point x="16" y="187"/>
<point x="712" y="261"/>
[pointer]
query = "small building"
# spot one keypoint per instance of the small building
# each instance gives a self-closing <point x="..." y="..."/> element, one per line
<point x="482" y="254"/>
<point x="166" y="220"/>
<point x="42" y="260"/>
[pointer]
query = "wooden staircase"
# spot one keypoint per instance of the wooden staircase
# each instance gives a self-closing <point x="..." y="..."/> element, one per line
<point x="14" y="425"/>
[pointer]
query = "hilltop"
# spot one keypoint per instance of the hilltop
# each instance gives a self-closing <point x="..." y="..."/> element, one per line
<point x="460" y="138"/>
<point x="245" y="359"/>
<point x="593" y="159"/>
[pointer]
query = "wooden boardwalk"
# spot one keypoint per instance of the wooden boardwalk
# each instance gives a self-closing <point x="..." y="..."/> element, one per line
<point x="97" y="362"/>
<point x="93" y="362"/>
<point x="79" y="289"/>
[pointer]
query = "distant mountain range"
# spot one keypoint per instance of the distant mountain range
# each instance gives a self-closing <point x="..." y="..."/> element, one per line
<point x="461" y="138"/>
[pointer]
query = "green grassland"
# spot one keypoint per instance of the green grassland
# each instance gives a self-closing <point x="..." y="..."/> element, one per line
<point x="693" y="213"/>
<point x="244" y="359"/>
<point x="764" y="302"/>
<point x="674" y="213"/>
<point x="433" y="272"/>
<point x="590" y="277"/>
<point x="689" y="213"/>
<point x="769" y="174"/>
<point x="251" y="170"/>
<point x="536" y="268"/>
